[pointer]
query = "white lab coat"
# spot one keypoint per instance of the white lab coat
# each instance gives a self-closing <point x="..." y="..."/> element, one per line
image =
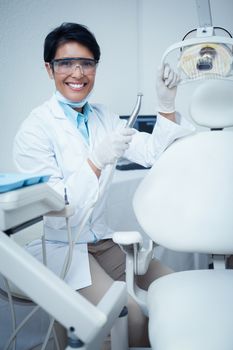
<point x="49" y="143"/>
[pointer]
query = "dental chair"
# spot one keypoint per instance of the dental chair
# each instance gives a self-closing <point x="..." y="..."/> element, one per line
<point x="185" y="203"/>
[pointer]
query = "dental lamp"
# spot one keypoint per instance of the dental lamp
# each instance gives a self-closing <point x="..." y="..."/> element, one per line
<point x="205" y="56"/>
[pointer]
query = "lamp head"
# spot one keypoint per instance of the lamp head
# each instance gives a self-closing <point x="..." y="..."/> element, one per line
<point x="203" y="56"/>
<point x="206" y="60"/>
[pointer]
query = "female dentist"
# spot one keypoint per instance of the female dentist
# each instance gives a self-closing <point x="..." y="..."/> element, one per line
<point x="77" y="142"/>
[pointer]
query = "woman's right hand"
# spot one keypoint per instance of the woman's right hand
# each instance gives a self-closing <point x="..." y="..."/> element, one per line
<point x="111" y="147"/>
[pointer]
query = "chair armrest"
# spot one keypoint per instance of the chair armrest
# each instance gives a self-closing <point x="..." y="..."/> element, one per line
<point x="137" y="261"/>
<point x="132" y="241"/>
<point x="127" y="238"/>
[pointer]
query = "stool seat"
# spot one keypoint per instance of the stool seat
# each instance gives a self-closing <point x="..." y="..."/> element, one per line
<point x="192" y="310"/>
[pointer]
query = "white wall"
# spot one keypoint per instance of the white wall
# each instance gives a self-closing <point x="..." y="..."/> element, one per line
<point x="132" y="34"/>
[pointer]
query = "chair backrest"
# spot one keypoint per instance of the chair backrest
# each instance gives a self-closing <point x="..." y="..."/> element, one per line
<point x="185" y="203"/>
<point x="212" y="104"/>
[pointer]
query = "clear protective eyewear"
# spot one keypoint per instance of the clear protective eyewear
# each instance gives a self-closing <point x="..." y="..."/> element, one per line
<point x="68" y="65"/>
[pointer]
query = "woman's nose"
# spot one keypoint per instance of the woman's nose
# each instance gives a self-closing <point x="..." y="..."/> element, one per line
<point x="78" y="71"/>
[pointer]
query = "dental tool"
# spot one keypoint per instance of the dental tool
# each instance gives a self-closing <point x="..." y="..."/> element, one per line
<point x="133" y="117"/>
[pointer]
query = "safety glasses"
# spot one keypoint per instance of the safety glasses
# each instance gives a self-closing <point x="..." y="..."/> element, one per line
<point x="87" y="66"/>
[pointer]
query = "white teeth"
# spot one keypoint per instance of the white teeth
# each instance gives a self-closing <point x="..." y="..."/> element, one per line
<point x="76" y="86"/>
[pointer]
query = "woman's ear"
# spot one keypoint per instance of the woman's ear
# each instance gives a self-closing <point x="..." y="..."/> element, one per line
<point x="49" y="70"/>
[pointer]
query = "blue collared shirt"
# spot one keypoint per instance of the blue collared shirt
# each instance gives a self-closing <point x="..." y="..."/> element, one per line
<point x="79" y="120"/>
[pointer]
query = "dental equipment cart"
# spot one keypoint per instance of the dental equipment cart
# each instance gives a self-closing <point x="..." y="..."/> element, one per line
<point x="86" y="324"/>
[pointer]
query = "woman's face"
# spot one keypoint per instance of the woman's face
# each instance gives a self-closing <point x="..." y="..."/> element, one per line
<point x="74" y="83"/>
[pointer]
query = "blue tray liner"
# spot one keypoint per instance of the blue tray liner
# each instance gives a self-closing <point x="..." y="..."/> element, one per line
<point x="12" y="181"/>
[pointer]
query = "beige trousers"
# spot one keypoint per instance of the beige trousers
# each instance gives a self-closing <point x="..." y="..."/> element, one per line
<point x="107" y="264"/>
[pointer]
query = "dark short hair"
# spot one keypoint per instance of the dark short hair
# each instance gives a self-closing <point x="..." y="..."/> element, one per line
<point x="70" y="32"/>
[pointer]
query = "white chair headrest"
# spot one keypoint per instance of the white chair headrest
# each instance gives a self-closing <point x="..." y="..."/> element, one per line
<point x="212" y="104"/>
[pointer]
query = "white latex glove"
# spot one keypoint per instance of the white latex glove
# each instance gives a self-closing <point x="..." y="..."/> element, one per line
<point x="166" y="87"/>
<point x="111" y="147"/>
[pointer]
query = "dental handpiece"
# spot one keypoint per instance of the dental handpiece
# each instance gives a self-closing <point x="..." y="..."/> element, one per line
<point x="129" y="124"/>
<point x="135" y="112"/>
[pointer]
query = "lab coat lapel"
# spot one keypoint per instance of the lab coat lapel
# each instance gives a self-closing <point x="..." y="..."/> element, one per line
<point x="92" y="128"/>
<point x="67" y="126"/>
